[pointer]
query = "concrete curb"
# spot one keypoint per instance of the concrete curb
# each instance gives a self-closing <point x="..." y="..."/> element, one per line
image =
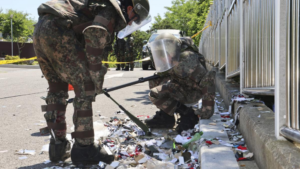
<point x="216" y="156"/>
<point x="21" y="66"/>
<point x="257" y="124"/>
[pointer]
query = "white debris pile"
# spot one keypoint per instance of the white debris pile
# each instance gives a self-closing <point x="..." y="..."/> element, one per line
<point x="133" y="149"/>
<point x="230" y="122"/>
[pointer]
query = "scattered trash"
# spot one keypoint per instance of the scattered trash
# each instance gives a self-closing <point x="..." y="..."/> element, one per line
<point x="45" y="148"/>
<point x="4" y="151"/>
<point x="47" y="161"/>
<point x="23" y="158"/>
<point x="25" y="152"/>
<point x="120" y="112"/>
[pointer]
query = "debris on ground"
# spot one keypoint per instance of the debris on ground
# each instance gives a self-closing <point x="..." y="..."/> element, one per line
<point x="25" y="152"/>
<point x="23" y="158"/>
<point x="165" y="148"/>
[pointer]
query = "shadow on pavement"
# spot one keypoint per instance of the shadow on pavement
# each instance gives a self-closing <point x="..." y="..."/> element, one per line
<point x="37" y="134"/>
<point x="38" y="166"/>
<point x="143" y="99"/>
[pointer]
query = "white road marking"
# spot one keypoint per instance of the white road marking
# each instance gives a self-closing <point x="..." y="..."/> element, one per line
<point x="112" y="76"/>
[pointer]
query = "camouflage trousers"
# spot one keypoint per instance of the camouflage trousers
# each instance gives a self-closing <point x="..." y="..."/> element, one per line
<point x="166" y="94"/>
<point x="58" y="53"/>
<point x="121" y="58"/>
<point x="130" y="58"/>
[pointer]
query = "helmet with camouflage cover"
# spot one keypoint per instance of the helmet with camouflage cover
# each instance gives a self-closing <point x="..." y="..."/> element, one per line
<point x="165" y="50"/>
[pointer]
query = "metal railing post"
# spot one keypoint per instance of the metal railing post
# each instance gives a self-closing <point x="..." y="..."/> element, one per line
<point x="242" y="66"/>
<point x="280" y="65"/>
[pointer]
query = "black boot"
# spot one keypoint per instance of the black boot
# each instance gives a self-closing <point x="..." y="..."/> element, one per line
<point x="160" y="120"/>
<point x="126" y="68"/>
<point x="89" y="155"/>
<point x="118" y="67"/>
<point x="131" y="69"/>
<point x="187" y="120"/>
<point x="59" y="150"/>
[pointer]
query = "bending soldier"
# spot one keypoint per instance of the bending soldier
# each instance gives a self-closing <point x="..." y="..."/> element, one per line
<point x="69" y="40"/>
<point x="187" y="82"/>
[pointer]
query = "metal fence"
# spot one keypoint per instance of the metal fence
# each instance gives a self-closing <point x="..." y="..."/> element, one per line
<point x="292" y="74"/>
<point x="246" y="38"/>
<point x="233" y="41"/>
<point x="242" y="41"/>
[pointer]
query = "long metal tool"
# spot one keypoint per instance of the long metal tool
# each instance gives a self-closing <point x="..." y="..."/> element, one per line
<point x="132" y="117"/>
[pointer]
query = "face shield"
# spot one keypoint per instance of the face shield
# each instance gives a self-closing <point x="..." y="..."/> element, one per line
<point x="165" y="54"/>
<point x="140" y="19"/>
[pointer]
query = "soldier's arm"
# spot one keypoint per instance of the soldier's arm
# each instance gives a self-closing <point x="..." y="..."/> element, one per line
<point x="97" y="36"/>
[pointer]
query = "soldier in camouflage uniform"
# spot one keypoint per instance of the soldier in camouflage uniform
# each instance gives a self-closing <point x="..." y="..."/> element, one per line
<point x="129" y="54"/>
<point x="120" y="53"/>
<point x="106" y="52"/>
<point x="69" y="39"/>
<point x="185" y="83"/>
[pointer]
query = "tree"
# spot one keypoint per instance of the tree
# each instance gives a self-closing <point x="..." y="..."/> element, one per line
<point x="161" y="24"/>
<point x="23" y="26"/>
<point x="188" y="16"/>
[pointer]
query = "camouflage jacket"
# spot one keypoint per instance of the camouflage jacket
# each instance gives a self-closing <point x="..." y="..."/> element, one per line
<point x="190" y="69"/>
<point x="82" y="13"/>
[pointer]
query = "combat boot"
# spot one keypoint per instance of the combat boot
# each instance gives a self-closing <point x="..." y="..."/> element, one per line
<point x="59" y="150"/>
<point x="126" y="68"/>
<point x="118" y="67"/>
<point x="188" y="118"/>
<point x="160" y="120"/>
<point x="89" y="154"/>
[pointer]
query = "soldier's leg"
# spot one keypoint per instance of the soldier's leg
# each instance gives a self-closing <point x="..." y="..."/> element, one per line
<point x="132" y="63"/>
<point x="122" y="59"/>
<point x="208" y="99"/>
<point x="118" y="60"/>
<point x="59" y="148"/>
<point x="170" y="97"/>
<point x="126" y="64"/>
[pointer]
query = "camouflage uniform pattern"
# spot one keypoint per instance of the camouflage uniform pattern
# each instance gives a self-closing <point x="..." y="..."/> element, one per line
<point x="64" y="57"/>
<point x="187" y="83"/>
<point x="106" y="52"/>
<point x="130" y="57"/>
<point x="120" y="50"/>
<point x="57" y="116"/>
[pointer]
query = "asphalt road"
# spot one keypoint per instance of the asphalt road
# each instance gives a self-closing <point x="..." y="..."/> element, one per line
<point x="21" y="116"/>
